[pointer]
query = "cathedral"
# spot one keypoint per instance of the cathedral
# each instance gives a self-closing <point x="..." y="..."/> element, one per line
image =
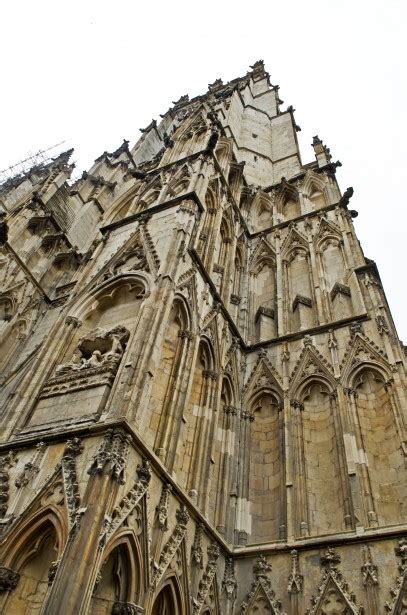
<point x="202" y="391"/>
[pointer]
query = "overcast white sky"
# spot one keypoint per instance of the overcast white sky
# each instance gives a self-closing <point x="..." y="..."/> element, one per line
<point x="93" y="72"/>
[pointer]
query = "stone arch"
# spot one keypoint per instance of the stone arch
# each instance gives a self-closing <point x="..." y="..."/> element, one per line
<point x="314" y="189"/>
<point x="124" y="204"/>
<point x="322" y="454"/>
<point x="224" y="241"/>
<point x="211" y="205"/>
<point x="147" y="197"/>
<point x="287" y="201"/>
<point x="121" y="574"/>
<point x="30" y="528"/>
<point x="334" y="274"/>
<point x="165" y="403"/>
<point x="179" y="183"/>
<point x="361" y="353"/>
<point x="190" y="135"/>
<point x="222" y="253"/>
<point x="198" y="419"/>
<point x="93" y="349"/>
<point x="262" y="212"/>
<point x="383" y="373"/>
<point x="7" y="308"/>
<point x="88" y="304"/>
<point x="11" y="341"/>
<point x="224" y="453"/>
<point x="264" y="296"/>
<point x="169" y="599"/>
<point x="377" y="414"/>
<point x="31" y="549"/>
<point x="223" y="152"/>
<point x="265" y="445"/>
<point x="115" y="302"/>
<point x="238" y="271"/>
<point x="299" y="291"/>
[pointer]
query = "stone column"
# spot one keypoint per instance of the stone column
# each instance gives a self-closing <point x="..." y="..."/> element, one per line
<point x="300" y="493"/>
<point x="371" y="516"/>
<point x="343" y="476"/>
<point x="72" y="588"/>
<point x="228" y="432"/>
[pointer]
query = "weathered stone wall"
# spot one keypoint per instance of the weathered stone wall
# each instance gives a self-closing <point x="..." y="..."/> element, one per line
<point x="203" y="393"/>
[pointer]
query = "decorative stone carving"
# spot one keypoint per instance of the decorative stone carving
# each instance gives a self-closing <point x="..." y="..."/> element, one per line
<point x="132" y="259"/>
<point x="333" y="592"/>
<point x="128" y="503"/>
<point x="295" y="580"/>
<point x="94" y="362"/>
<point x="369" y="570"/>
<point x="218" y="268"/>
<point x="382" y="325"/>
<point x="341" y="289"/>
<point x="52" y="571"/>
<point x="73" y="449"/>
<point x="301" y="300"/>
<point x="162" y="507"/>
<point x="264" y="311"/>
<point x="355" y="327"/>
<point x="196" y="549"/>
<point x="398" y="601"/>
<point x="126" y="608"/>
<point x="31" y="468"/>
<point x="112" y="455"/>
<point x="261" y="594"/>
<point x="5" y="463"/>
<point x="207" y="578"/>
<point x="235" y="299"/>
<point x="229" y="583"/>
<point x="171" y="547"/>
<point x="8" y="579"/>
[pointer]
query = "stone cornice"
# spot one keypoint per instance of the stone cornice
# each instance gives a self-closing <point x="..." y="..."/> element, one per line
<point x="152" y="210"/>
<point x="345" y="538"/>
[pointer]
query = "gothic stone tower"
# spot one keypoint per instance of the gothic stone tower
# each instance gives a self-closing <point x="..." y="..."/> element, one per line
<point x="203" y="392"/>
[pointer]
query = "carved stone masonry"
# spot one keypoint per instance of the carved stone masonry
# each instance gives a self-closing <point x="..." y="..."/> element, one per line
<point x="31" y="468"/>
<point x="196" y="549"/>
<point x="330" y="559"/>
<point x="94" y="362"/>
<point x="128" y="502"/>
<point x="333" y="589"/>
<point x="73" y="449"/>
<point x="355" y="327"/>
<point x="112" y="455"/>
<point x="8" y="579"/>
<point x="398" y="593"/>
<point x="52" y="571"/>
<point x="207" y="578"/>
<point x="162" y="506"/>
<point x="368" y="568"/>
<point x="5" y="463"/>
<point x="229" y="583"/>
<point x="261" y="589"/>
<point x="126" y="608"/>
<point x="295" y="580"/>
<point x="382" y="325"/>
<point x="171" y="547"/>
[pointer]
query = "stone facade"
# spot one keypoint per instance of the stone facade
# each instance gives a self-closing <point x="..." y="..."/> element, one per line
<point x="202" y="392"/>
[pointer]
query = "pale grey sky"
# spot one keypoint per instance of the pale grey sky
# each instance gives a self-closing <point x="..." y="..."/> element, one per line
<point x="93" y="72"/>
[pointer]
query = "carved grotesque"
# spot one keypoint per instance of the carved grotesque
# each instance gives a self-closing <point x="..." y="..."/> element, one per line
<point x="8" y="579"/>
